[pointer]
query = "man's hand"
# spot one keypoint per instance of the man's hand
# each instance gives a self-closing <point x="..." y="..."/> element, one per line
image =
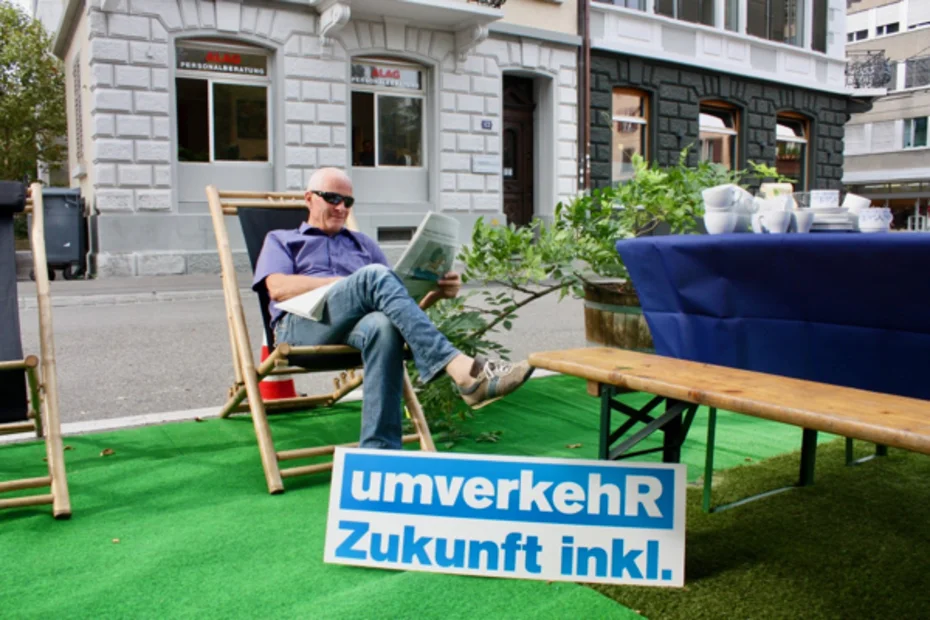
<point x="449" y="285"/>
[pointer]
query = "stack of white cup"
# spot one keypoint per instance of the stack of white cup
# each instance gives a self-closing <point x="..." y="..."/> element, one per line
<point x="727" y="208"/>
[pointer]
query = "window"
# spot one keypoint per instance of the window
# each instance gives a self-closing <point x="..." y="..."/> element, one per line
<point x="776" y="20"/>
<point x="629" y="128"/>
<point x="719" y="129"/>
<point x="697" y="11"/>
<point x="917" y="72"/>
<point x="731" y="15"/>
<point x="819" y="34"/>
<point x="791" y="134"/>
<point x="859" y="35"/>
<point x="887" y="29"/>
<point x="387" y="114"/>
<point x="915" y="132"/>
<point x="222" y="103"/>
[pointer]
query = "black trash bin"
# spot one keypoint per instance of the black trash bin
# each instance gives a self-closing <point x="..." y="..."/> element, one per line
<point x="65" y="231"/>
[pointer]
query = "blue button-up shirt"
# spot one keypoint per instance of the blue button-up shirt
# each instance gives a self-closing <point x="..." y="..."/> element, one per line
<point x="308" y="251"/>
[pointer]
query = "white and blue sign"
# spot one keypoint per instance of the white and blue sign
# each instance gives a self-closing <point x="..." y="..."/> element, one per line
<point x="498" y="516"/>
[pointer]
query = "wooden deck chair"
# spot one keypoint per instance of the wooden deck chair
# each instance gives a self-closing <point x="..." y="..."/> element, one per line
<point x="35" y="409"/>
<point x="260" y="213"/>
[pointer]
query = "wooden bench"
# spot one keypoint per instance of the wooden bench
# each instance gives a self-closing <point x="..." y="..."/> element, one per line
<point x="883" y="419"/>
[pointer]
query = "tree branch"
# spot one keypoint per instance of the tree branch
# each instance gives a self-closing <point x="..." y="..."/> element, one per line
<point x="533" y="297"/>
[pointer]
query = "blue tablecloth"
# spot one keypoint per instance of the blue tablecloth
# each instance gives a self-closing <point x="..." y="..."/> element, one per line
<point x="846" y="309"/>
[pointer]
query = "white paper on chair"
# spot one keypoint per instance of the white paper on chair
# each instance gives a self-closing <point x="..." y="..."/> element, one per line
<point x="309" y="305"/>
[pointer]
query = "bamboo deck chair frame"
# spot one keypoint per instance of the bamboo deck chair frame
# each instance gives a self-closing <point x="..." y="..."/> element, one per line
<point x="42" y="380"/>
<point x="280" y="358"/>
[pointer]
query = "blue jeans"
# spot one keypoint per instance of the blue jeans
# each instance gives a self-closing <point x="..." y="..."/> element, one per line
<point x="372" y="311"/>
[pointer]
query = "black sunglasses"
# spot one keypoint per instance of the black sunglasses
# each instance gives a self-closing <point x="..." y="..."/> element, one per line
<point x="335" y="199"/>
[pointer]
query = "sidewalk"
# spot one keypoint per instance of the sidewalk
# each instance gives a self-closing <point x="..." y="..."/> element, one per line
<point x="110" y="291"/>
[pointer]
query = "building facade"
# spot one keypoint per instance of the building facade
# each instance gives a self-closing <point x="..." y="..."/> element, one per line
<point x="887" y="148"/>
<point x="738" y="80"/>
<point x="453" y="106"/>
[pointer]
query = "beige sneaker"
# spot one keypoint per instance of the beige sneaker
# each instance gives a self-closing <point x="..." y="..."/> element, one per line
<point x="496" y="380"/>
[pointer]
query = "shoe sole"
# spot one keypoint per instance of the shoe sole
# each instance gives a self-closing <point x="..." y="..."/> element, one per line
<point x="485" y="403"/>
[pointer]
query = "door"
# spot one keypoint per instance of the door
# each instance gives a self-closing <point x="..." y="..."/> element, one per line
<point x="518" y="150"/>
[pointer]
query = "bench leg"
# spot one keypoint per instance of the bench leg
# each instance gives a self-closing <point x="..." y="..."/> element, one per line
<point x="674" y="422"/>
<point x="672" y="439"/>
<point x="880" y="450"/>
<point x="808" y="457"/>
<point x="709" y="459"/>
<point x="603" y="448"/>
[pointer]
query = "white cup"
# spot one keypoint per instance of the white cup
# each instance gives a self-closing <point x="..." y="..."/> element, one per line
<point x="802" y="220"/>
<point x="720" y="196"/>
<point x="856" y="203"/>
<point x="720" y="222"/>
<point x="776" y="221"/>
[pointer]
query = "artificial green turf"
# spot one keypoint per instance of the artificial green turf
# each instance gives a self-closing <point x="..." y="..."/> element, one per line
<point x="199" y="537"/>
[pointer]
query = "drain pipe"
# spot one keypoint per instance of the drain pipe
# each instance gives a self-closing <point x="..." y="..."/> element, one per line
<point x="584" y="95"/>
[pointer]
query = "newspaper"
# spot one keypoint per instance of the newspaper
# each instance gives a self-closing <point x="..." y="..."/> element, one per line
<point x="428" y="257"/>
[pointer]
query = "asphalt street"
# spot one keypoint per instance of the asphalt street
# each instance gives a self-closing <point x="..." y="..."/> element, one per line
<point x="147" y="357"/>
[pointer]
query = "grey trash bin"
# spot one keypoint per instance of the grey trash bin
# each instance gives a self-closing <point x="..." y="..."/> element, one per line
<point x="65" y="231"/>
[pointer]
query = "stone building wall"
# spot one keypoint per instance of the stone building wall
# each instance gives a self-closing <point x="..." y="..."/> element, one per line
<point x="676" y="92"/>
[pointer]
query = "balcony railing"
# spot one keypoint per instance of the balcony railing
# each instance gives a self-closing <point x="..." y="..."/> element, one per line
<point x="868" y="69"/>
<point x="494" y="4"/>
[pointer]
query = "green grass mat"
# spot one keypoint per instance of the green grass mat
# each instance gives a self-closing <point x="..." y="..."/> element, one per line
<point x="177" y="523"/>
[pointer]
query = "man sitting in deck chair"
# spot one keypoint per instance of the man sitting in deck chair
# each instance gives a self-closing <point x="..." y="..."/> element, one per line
<point x="368" y="308"/>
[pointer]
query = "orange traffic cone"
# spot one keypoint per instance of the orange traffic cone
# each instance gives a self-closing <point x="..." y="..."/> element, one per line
<point x="275" y="387"/>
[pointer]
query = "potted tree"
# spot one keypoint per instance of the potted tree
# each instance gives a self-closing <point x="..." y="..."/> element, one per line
<point x="576" y="254"/>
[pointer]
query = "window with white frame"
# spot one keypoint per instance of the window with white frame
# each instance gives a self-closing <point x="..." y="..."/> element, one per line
<point x="629" y="130"/>
<point x="697" y="11"/>
<point x="776" y="20"/>
<point x="888" y="29"/>
<point x="917" y="72"/>
<point x="915" y="132"/>
<point x="719" y="130"/>
<point x="221" y="92"/>
<point x="388" y="113"/>
<point x="731" y="15"/>
<point x="792" y="133"/>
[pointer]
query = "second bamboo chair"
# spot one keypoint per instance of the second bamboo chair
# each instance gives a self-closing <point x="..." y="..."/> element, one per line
<point x="258" y="214"/>
<point x="35" y="409"/>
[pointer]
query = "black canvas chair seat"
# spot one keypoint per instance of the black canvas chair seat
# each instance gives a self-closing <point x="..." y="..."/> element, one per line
<point x="13" y="392"/>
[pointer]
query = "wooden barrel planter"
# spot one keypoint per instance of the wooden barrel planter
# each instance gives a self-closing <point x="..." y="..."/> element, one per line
<point x="614" y="318"/>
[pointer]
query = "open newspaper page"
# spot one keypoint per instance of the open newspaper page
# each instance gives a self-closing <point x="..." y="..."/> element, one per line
<point x="430" y="254"/>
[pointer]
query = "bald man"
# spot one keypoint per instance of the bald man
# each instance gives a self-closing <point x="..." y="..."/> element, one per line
<point x="368" y="308"/>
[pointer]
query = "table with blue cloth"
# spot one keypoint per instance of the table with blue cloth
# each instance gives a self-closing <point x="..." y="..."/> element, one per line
<point x="838" y="308"/>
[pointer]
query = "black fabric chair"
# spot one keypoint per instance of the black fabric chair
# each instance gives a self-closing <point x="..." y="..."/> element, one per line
<point x="256" y="223"/>
<point x="28" y="385"/>
<point x="259" y="213"/>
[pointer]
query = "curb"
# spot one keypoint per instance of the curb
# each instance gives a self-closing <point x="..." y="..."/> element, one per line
<point x="71" y="429"/>
<point x="66" y="301"/>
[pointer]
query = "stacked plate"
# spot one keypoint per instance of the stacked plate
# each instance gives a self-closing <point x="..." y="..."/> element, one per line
<point x="832" y="219"/>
